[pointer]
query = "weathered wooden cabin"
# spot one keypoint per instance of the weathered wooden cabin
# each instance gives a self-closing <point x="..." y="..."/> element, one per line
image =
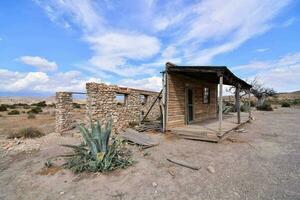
<point x="190" y="96"/>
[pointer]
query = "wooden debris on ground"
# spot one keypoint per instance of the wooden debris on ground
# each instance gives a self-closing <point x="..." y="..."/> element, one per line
<point x="149" y="126"/>
<point x="138" y="138"/>
<point x="184" y="164"/>
<point x="199" y="136"/>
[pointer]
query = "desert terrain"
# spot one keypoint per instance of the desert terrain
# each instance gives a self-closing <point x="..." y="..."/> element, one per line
<point x="261" y="162"/>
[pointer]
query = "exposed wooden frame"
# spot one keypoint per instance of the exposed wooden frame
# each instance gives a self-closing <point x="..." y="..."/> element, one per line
<point x="220" y="103"/>
<point x="237" y="104"/>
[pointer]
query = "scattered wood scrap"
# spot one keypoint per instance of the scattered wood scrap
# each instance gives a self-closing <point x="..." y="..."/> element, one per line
<point x="199" y="136"/>
<point x="149" y="126"/>
<point x="138" y="138"/>
<point x="184" y="164"/>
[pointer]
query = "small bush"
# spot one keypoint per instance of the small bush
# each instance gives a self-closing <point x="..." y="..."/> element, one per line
<point x="40" y="104"/>
<point x="3" y="107"/>
<point x="296" y="102"/>
<point x="31" y="116"/>
<point x="13" y="112"/>
<point x="26" y="107"/>
<point x="285" y="104"/>
<point x="265" y="107"/>
<point x="26" y="133"/>
<point x="252" y="103"/>
<point x="12" y="106"/>
<point x="76" y="105"/>
<point x="245" y="108"/>
<point x="35" y="110"/>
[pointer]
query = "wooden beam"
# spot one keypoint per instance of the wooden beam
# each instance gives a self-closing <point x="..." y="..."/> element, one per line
<point x="152" y="105"/>
<point x="249" y="100"/>
<point x="220" y="104"/>
<point x="237" y="104"/>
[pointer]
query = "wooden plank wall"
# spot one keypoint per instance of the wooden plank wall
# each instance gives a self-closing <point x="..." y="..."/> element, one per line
<point x="176" y="100"/>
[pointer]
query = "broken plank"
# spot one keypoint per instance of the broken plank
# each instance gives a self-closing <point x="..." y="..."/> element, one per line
<point x="182" y="163"/>
<point x="138" y="138"/>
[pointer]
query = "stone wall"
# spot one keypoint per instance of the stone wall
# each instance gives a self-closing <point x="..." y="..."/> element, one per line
<point x="63" y="113"/>
<point x="102" y="103"/>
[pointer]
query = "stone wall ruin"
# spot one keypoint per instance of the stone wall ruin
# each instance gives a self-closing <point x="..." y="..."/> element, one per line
<point x="103" y="103"/>
<point x="126" y="106"/>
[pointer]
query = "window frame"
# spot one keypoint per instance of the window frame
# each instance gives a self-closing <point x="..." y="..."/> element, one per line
<point x="206" y="95"/>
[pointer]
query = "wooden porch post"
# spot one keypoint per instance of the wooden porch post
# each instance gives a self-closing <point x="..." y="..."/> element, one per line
<point x="237" y="104"/>
<point x="249" y="99"/>
<point x="220" y="103"/>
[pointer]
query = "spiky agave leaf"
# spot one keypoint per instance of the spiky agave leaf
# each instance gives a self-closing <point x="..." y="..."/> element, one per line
<point x="88" y="140"/>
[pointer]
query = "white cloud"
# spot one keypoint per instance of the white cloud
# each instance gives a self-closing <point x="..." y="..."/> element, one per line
<point x="281" y="74"/>
<point x="12" y="81"/>
<point x="152" y="83"/>
<point x="261" y="50"/>
<point x="228" y="25"/>
<point x="39" y="62"/>
<point x="112" y="47"/>
<point x="112" y="50"/>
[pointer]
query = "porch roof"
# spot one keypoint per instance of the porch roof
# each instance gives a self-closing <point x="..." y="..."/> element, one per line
<point x="208" y="73"/>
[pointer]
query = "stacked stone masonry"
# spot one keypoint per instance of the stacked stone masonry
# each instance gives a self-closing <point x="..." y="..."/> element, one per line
<point x="102" y="103"/>
<point x="63" y="116"/>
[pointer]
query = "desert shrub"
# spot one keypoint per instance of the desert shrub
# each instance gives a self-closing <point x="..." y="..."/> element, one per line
<point x="13" y="106"/>
<point x="31" y="116"/>
<point x="76" y="105"/>
<point x="13" y="112"/>
<point x="98" y="153"/>
<point x="296" y="102"/>
<point x="26" y="106"/>
<point x="3" y="107"/>
<point x="252" y="103"/>
<point x="30" y="132"/>
<point x="245" y="108"/>
<point x="35" y="110"/>
<point x="265" y="107"/>
<point x="52" y="105"/>
<point x="285" y="104"/>
<point x="40" y="104"/>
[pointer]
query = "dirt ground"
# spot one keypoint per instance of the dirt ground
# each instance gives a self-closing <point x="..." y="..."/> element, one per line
<point x="261" y="163"/>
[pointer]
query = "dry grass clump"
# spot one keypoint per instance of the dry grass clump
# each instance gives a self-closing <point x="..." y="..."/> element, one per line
<point x="29" y="132"/>
<point x="13" y="112"/>
<point x="31" y="116"/>
<point x="265" y="107"/>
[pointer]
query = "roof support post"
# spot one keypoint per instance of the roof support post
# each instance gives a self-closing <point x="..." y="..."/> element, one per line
<point x="249" y="101"/>
<point x="237" y="104"/>
<point x="220" y="104"/>
<point x="164" y="101"/>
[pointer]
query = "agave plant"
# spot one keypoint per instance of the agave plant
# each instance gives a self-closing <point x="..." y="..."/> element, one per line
<point x="97" y="153"/>
<point x="98" y="139"/>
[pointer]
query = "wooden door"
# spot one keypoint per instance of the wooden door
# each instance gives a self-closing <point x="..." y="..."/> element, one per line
<point x="190" y="105"/>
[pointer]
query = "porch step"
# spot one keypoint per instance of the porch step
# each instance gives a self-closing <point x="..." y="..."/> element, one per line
<point x="201" y="135"/>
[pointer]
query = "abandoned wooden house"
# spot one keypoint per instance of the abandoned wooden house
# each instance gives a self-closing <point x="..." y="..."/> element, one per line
<point x="191" y="103"/>
<point x="188" y="104"/>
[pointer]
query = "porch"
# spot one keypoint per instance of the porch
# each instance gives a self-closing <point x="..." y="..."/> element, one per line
<point x="208" y="130"/>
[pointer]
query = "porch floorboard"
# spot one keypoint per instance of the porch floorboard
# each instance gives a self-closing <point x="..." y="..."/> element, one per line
<point x="208" y="130"/>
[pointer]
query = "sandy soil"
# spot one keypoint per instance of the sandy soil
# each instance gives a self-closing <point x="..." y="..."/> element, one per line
<point x="261" y="163"/>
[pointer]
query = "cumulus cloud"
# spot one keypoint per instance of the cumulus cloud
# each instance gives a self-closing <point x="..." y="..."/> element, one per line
<point x="152" y="83"/>
<point x="282" y="74"/>
<point x="13" y="81"/>
<point x="41" y="63"/>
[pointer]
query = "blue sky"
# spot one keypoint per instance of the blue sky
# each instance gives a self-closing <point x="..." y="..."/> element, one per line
<point x="59" y="45"/>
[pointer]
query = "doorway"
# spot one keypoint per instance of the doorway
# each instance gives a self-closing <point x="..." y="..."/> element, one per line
<point x="190" y="106"/>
